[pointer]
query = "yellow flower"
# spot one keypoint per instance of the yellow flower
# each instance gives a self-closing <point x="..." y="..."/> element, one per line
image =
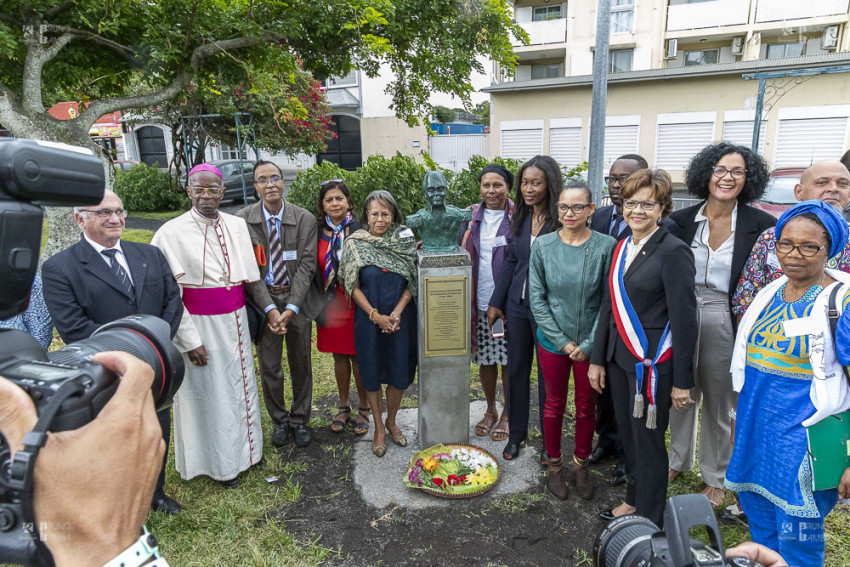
<point x="429" y="463"/>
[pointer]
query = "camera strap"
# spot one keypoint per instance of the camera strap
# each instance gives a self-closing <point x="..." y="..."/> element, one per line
<point x="21" y="479"/>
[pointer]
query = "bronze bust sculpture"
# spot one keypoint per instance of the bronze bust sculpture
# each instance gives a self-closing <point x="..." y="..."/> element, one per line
<point x="439" y="223"/>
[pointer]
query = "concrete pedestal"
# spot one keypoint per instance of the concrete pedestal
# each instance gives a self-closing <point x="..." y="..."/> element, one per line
<point x="444" y="303"/>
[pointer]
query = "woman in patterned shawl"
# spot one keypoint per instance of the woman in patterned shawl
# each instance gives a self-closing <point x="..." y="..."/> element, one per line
<point x="378" y="269"/>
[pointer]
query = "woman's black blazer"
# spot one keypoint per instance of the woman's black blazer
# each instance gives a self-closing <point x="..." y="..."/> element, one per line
<point x="511" y="287"/>
<point x="749" y="225"/>
<point x="660" y="285"/>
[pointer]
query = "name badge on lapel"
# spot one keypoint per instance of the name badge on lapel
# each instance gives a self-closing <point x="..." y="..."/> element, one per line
<point x="289" y="255"/>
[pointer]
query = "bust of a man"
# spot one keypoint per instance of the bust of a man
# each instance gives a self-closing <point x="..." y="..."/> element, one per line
<point x="439" y="223"/>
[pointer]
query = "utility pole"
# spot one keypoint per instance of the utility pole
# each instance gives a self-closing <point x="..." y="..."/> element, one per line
<point x="596" y="150"/>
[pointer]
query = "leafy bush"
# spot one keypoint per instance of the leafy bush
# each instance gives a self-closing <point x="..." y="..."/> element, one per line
<point x="464" y="188"/>
<point x="400" y="175"/>
<point x="145" y="188"/>
<point x="304" y="191"/>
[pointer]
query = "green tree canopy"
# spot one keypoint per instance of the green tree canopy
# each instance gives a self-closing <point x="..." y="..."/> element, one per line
<point x="127" y="54"/>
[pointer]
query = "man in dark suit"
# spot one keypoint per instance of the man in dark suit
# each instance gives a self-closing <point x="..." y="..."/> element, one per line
<point x="100" y="279"/>
<point x="287" y="235"/>
<point x="609" y="220"/>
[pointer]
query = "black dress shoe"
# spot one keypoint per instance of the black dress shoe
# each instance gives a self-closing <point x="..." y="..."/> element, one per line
<point x="280" y="435"/>
<point x="599" y="454"/>
<point x="727" y="516"/>
<point x="302" y="435"/>
<point x="511" y="451"/>
<point x="165" y="504"/>
<point x="232" y="483"/>
<point x="618" y="476"/>
<point x="261" y="464"/>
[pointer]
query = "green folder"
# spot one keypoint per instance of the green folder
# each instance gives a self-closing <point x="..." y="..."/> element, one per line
<point x="829" y="450"/>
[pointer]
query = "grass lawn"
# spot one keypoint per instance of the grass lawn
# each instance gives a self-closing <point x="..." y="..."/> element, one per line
<point x="236" y="527"/>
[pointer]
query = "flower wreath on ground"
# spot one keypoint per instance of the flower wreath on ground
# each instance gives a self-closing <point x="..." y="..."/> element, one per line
<point x="452" y="470"/>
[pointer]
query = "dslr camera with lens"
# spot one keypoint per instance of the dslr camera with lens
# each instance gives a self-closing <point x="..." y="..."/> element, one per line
<point x="67" y="388"/>
<point x="634" y="541"/>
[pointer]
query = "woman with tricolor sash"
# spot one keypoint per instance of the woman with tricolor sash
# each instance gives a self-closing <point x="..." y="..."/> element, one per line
<point x="645" y="339"/>
<point x="788" y="372"/>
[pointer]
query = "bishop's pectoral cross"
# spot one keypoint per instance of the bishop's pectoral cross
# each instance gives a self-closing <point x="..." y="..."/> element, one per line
<point x="225" y="280"/>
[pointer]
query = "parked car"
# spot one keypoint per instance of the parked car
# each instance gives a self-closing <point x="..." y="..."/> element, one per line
<point x="779" y="194"/>
<point x="124" y="165"/>
<point x="232" y="179"/>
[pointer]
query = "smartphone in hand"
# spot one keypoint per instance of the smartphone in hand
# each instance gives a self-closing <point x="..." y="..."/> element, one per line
<point x="498" y="328"/>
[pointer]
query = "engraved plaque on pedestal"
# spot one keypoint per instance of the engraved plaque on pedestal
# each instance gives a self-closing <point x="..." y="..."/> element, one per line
<point x="445" y="287"/>
<point x="446" y="306"/>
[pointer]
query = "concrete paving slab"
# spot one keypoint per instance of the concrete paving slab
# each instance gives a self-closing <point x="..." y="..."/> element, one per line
<point x="381" y="480"/>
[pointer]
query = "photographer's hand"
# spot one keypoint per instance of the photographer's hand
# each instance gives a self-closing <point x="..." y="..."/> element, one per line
<point x="94" y="485"/>
<point x="758" y="553"/>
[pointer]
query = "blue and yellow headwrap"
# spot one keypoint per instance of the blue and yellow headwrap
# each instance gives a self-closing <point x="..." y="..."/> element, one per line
<point x="835" y="224"/>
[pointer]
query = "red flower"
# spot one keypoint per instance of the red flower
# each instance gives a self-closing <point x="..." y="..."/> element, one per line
<point x="454" y="480"/>
<point x="463" y="478"/>
<point x="438" y="481"/>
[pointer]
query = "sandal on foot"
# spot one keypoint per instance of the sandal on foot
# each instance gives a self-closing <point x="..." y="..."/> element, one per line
<point x="715" y="495"/>
<point x="501" y="433"/>
<point x="361" y="428"/>
<point x="338" y="425"/>
<point x="483" y="427"/>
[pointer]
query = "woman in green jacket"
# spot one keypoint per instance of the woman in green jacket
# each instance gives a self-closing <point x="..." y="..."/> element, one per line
<point x="567" y="276"/>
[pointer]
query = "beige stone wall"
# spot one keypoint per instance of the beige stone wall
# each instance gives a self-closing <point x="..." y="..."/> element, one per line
<point x="387" y="135"/>
<point x="650" y="98"/>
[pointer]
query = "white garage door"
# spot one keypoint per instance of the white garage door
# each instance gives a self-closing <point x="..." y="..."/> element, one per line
<point x="740" y="133"/>
<point x="676" y="144"/>
<point x="801" y="142"/>
<point x="565" y="146"/>
<point x="620" y="140"/>
<point x="522" y="144"/>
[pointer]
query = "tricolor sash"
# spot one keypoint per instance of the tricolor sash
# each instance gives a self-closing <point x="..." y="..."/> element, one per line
<point x="631" y="331"/>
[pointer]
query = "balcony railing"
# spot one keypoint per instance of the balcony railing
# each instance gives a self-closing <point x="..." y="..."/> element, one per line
<point x="712" y="14"/>
<point x="778" y="10"/>
<point x="544" y="32"/>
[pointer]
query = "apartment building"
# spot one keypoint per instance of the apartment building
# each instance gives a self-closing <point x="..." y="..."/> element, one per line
<point x="677" y="80"/>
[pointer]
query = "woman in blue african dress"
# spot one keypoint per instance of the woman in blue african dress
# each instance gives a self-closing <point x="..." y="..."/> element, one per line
<point x="781" y="374"/>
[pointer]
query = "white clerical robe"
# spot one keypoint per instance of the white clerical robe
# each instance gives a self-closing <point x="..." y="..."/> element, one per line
<point x="217" y="428"/>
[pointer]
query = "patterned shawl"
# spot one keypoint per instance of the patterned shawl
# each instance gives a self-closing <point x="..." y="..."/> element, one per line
<point x="334" y="251"/>
<point x="389" y="252"/>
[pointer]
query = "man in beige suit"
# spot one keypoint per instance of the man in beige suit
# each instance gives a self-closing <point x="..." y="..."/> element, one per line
<point x="287" y="235"/>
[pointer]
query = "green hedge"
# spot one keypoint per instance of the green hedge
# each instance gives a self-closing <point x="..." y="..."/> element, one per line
<point x="145" y="188"/>
<point x="402" y="176"/>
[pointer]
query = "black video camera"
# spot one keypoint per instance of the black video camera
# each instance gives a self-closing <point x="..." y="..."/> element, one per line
<point x="635" y="541"/>
<point x="68" y="389"/>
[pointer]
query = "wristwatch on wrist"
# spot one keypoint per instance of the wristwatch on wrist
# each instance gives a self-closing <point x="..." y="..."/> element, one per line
<point x="140" y="553"/>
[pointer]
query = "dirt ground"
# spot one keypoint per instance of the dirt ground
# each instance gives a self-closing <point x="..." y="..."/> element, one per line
<point x="529" y="528"/>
